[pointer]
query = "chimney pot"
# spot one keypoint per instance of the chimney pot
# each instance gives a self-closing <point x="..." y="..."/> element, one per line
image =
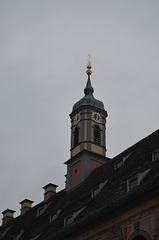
<point x="50" y="189"/>
<point x="7" y="215"/>
<point x="25" y="205"/>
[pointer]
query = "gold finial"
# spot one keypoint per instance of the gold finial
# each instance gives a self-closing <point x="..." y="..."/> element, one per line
<point x="89" y="66"/>
<point x="89" y="60"/>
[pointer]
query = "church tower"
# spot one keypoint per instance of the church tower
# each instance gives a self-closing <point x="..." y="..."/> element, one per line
<point x="88" y="145"/>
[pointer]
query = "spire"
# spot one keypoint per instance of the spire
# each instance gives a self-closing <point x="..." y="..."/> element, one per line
<point x="88" y="99"/>
<point x="89" y="89"/>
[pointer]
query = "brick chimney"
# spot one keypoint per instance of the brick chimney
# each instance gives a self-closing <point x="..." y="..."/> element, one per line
<point x="50" y="189"/>
<point x="7" y="215"/>
<point x="25" y="205"/>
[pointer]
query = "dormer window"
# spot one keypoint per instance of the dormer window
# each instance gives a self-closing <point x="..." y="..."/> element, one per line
<point x="40" y="211"/>
<point x="132" y="183"/>
<point x="155" y="155"/>
<point x="98" y="188"/>
<point x="53" y="217"/>
<point x="72" y="217"/>
<point x="68" y="220"/>
<point x="136" y="180"/>
<point x="97" y="135"/>
<point x="95" y="191"/>
<point x="118" y="164"/>
<point x="17" y="237"/>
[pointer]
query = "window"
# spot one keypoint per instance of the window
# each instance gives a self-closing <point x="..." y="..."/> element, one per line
<point x="76" y="136"/>
<point x="97" y="134"/>
<point x="40" y="211"/>
<point x="133" y="183"/>
<point x="68" y="220"/>
<point x="53" y="217"/>
<point x="119" y="164"/>
<point x="156" y="155"/>
<point x="71" y="218"/>
<point x="98" y="188"/>
<point x="17" y="236"/>
<point x="96" y="191"/>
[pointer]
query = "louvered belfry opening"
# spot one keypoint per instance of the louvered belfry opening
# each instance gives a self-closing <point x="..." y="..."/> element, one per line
<point x="76" y="136"/>
<point x="97" y="135"/>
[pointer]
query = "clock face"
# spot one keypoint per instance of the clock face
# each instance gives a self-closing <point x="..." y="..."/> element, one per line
<point x="77" y="118"/>
<point x="96" y="117"/>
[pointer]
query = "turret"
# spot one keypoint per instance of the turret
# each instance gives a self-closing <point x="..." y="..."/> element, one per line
<point x="88" y="146"/>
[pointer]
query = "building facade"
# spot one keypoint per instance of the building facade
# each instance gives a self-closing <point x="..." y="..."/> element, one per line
<point x="104" y="199"/>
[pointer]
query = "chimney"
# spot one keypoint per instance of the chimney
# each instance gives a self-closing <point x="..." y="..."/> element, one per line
<point x="7" y="215"/>
<point x="25" y="205"/>
<point x="65" y="180"/>
<point x="50" y="189"/>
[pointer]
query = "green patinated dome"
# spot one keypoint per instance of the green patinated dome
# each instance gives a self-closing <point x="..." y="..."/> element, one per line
<point x="88" y="99"/>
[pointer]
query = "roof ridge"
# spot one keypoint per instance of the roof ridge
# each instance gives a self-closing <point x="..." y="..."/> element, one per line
<point x="135" y="144"/>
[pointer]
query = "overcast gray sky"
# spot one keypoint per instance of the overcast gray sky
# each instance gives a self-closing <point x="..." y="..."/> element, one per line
<point x="43" y="57"/>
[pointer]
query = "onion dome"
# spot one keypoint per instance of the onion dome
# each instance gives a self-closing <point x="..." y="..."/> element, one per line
<point x="88" y="99"/>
